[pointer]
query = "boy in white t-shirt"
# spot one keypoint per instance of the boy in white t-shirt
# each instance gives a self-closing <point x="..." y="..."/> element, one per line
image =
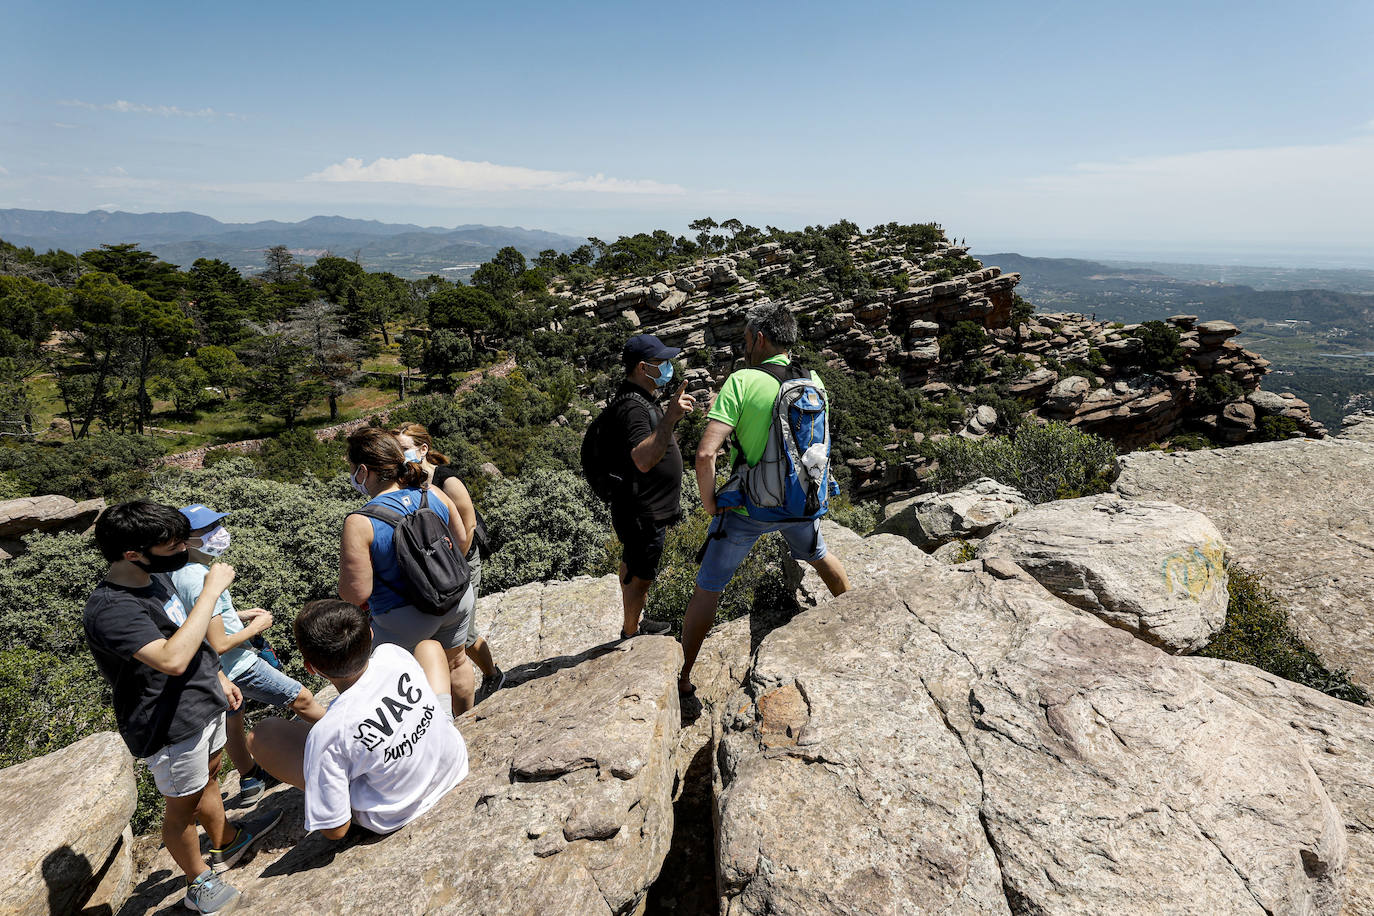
<point x="386" y="750"/>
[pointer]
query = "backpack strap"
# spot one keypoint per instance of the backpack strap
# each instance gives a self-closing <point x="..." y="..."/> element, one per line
<point x="779" y="373"/>
<point x="384" y="514"/>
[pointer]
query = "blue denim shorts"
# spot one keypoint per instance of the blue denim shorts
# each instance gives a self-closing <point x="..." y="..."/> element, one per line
<point x="267" y="685"/>
<point x="725" y="554"/>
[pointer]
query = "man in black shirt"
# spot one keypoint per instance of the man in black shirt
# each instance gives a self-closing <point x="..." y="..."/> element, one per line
<point x="169" y="695"/>
<point x="649" y="500"/>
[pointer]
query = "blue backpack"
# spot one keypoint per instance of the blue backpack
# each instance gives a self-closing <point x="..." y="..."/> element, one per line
<point x="792" y="481"/>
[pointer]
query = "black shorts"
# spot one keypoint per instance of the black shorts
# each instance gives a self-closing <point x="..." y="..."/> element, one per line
<point x="641" y="539"/>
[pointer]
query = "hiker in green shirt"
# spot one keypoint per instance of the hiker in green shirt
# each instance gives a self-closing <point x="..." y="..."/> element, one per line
<point x="745" y="407"/>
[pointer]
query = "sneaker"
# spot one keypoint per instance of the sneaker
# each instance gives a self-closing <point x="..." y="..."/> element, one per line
<point x="210" y="894"/>
<point x="494" y="683"/>
<point x="249" y="832"/>
<point x="251" y="789"/>
<point x="648" y="626"/>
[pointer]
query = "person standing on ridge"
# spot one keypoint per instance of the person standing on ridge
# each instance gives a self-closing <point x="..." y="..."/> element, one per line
<point x="745" y="408"/>
<point x="419" y="448"/>
<point x="632" y="460"/>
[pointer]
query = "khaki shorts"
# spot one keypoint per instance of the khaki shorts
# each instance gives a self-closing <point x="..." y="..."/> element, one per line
<point x="183" y="768"/>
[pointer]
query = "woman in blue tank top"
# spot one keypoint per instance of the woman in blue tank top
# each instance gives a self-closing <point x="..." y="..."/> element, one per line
<point x="369" y="575"/>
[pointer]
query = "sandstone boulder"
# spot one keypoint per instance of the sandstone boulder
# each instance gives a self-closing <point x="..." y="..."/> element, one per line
<point x="567" y="807"/>
<point x="1088" y="772"/>
<point x="933" y="519"/>
<point x="1033" y="384"/>
<point x="64" y="816"/>
<point x="1298" y="512"/>
<point x="47" y="513"/>
<point x="1154" y="569"/>
<point x="1066" y="395"/>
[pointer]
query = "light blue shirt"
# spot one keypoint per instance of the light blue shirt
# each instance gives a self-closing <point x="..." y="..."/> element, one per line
<point x="189" y="581"/>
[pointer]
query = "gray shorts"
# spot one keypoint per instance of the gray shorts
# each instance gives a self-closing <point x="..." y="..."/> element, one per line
<point x="406" y="626"/>
<point x="184" y="768"/>
<point x="475" y="567"/>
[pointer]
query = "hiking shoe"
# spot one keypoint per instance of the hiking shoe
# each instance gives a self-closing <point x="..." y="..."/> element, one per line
<point x="249" y="832"/>
<point x="648" y="626"/>
<point x="251" y="789"/>
<point x="210" y="894"/>
<point x="494" y="683"/>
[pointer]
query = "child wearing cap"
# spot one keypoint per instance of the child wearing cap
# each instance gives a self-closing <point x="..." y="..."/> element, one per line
<point x="229" y="634"/>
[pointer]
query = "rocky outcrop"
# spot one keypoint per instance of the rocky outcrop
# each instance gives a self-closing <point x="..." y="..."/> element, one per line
<point x="567" y="808"/>
<point x="568" y="805"/>
<point x="19" y="517"/>
<point x="1062" y="366"/>
<point x="960" y="740"/>
<point x="1300" y="513"/>
<point x="934" y="519"/>
<point x="1153" y="569"/>
<point x="66" y="817"/>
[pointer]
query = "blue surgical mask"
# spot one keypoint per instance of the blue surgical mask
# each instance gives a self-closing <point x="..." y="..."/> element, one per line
<point x="665" y="374"/>
<point x="413" y="455"/>
<point x="357" y="486"/>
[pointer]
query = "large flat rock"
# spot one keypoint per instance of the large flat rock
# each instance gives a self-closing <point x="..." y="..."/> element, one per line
<point x="1300" y="513"/>
<point x="1154" y="569"/>
<point x="63" y="817"/>
<point x="567" y="808"/>
<point x="960" y="740"/>
<point x="1339" y="738"/>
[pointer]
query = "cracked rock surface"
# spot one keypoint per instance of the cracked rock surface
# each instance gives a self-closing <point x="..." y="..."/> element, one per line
<point x="959" y="740"/>
<point x="1300" y="513"/>
<point x="65" y="817"/>
<point x="567" y="807"/>
<point x="1154" y="569"/>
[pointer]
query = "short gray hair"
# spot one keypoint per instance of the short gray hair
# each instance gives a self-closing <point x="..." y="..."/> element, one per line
<point x="774" y="321"/>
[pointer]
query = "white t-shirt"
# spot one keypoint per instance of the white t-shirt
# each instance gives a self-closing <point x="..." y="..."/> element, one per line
<point x="384" y="753"/>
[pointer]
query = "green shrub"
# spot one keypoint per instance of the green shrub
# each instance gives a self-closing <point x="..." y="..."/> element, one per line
<point x="1258" y="633"/>
<point x="297" y="453"/>
<point x="104" y="464"/>
<point x="1053" y="461"/>
<point x="543" y="525"/>
<point x="1160" y="350"/>
<point x="1218" y="389"/>
<point x="1275" y="428"/>
<point x="863" y="517"/>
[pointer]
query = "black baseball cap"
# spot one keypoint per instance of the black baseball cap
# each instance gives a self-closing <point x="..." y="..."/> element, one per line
<point x="646" y="346"/>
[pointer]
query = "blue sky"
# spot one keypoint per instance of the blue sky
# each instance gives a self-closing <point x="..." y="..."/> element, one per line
<point x="1049" y="127"/>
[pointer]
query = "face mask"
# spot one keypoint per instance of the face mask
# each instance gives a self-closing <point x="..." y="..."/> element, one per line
<point x="158" y="563"/>
<point x="357" y="486"/>
<point x="413" y="455"/>
<point x="665" y="374"/>
<point x="216" y="542"/>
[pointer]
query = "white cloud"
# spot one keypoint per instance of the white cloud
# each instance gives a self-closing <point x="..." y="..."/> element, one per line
<point x="3" y="170"/>
<point x="436" y="171"/>
<point x="166" y="111"/>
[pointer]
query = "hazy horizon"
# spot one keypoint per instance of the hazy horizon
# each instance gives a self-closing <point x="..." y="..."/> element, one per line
<point x="1070" y="127"/>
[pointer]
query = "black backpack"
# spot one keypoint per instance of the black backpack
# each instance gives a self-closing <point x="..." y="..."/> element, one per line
<point x="434" y="573"/>
<point x="605" y="454"/>
<point x="481" y="541"/>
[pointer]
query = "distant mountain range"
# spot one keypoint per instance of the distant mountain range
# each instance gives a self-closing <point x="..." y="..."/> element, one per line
<point x="180" y="238"/>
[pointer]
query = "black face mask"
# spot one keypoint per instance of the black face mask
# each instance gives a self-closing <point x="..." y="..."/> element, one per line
<point x="157" y="563"/>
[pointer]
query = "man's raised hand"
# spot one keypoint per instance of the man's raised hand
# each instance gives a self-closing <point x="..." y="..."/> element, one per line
<point x="681" y="404"/>
<point x="220" y="577"/>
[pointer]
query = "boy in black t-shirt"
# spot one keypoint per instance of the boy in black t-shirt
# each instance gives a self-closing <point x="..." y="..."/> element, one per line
<point x="650" y="500"/>
<point x="169" y="694"/>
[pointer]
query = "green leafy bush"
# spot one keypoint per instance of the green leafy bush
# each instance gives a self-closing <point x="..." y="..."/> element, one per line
<point x="1160" y="350"/>
<point x="103" y="464"/>
<point x="1053" y="461"/>
<point x="863" y="517"/>
<point x="1258" y="633"/>
<point x="543" y="525"/>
